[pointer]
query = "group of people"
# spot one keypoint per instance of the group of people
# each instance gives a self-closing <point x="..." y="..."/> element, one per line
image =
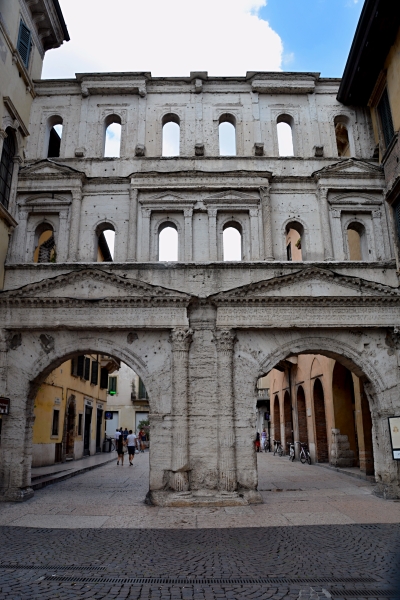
<point x="125" y="438"/>
<point x="261" y="441"/>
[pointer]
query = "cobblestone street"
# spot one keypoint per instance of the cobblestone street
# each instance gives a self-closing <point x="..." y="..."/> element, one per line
<point x="93" y="537"/>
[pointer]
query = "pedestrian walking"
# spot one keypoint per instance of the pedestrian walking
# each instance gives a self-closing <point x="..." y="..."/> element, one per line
<point x="117" y="434"/>
<point x="142" y="439"/>
<point x="263" y="440"/>
<point x="125" y="433"/>
<point x="257" y="442"/>
<point x="131" y="441"/>
<point x="120" y="450"/>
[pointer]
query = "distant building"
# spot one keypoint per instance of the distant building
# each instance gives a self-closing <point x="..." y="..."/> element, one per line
<point x="127" y="400"/>
<point x="27" y="31"/>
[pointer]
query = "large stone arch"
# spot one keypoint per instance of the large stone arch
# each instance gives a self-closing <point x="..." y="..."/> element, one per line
<point x="360" y="351"/>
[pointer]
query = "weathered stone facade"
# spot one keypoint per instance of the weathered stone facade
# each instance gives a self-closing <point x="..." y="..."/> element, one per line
<point x="199" y="332"/>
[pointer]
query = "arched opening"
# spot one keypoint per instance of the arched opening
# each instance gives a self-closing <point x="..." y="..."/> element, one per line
<point x="357" y="241"/>
<point x="105" y="234"/>
<point x="302" y="415"/>
<point x="321" y="438"/>
<point x="284" y="127"/>
<point x="69" y="429"/>
<point x="45" y="245"/>
<point x="288" y="423"/>
<point x="168" y="242"/>
<point x="227" y="135"/>
<point x="232" y="242"/>
<point x="54" y="135"/>
<point x="7" y="166"/>
<point x="294" y="237"/>
<point x="112" y="136"/>
<point x="277" y="419"/>
<point x="342" y="136"/>
<point x="171" y="135"/>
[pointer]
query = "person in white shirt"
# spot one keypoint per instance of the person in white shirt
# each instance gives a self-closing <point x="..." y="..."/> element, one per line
<point x="131" y="439"/>
<point x="117" y="435"/>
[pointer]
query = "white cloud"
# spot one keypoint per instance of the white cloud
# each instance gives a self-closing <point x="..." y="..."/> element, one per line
<point x="223" y="37"/>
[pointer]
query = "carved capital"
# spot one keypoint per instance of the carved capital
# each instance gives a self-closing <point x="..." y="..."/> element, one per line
<point x="335" y="213"/>
<point x="323" y="192"/>
<point x="376" y="214"/>
<point x="181" y="339"/>
<point x="212" y="212"/>
<point x="253" y="212"/>
<point x="224" y="340"/>
<point x="188" y="213"/>
<point x="264" y="193"/>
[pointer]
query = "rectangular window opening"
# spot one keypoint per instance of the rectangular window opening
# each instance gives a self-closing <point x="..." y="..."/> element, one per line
<point x="56" y="420"/>
<point x="86" y="374"/>
<point x="80" y="422"/>
<point x="112" y="386"/>
<point x="24" y="43"/>
<point x="385" y="115"/>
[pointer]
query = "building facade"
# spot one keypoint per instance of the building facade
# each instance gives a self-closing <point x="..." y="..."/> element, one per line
<point x="27" y="31"/>
<point x="201" y="331"/>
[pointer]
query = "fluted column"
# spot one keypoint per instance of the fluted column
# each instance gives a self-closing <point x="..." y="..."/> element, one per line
<point x="267" y="223"/>
<point x="180" y="343"/>
<point x="133" y="225"/>
<point x="188" y="246"/>
<point x="75" y="225"/>
<point x="224" y="340"/>
<point x="325" y="225"/>
<point x="212" y="234"/>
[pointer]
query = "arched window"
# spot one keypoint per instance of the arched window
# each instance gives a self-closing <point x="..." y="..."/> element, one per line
<point x="285" y="135"/>
<point x="357" y="242"/>
<point x="294" y="235"/>
<point x="7" y="166"/>
<point x="168" y="242"/>
<point x="342" y="136"/>
<point x="232" y="242"/>
<point x="105" y="234"/>
<point x="171" y="133"/>
<point x="45" y="245"/>
<point x="227" y="135"/>
<point x="54" y="135"/>
<point x="112" y="136"/>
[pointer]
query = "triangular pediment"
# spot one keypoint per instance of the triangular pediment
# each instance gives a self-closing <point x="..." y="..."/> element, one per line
<point x="164" y="198"/>
<point x="95" y="284"/>
<point x="231" y="197"/>
<point x="49" y="169"/>
<point x="309" y="283"/>
<point x="351" y="167"/>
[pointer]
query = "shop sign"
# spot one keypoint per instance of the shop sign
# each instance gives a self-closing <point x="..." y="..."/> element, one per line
<point x="4" y="406"/>
<point x="394" y="428"/>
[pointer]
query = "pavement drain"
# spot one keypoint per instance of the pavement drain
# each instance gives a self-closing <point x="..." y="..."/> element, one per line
<point x="364" y="593"/>
<point x="53" y="567"/>
<point x="209" y="581"/>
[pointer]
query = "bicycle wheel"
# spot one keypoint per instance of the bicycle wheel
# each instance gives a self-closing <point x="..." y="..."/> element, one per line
<point x="303" y="458"/>
<point x="308" y="458"/>
<point x="280" y="451"/>
<point x="292" y="457"/>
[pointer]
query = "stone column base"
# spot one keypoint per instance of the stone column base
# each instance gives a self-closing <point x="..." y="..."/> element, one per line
<point x="388" y="491"/>
<point x="16" y="494"/>
<point x="203" y="498"/>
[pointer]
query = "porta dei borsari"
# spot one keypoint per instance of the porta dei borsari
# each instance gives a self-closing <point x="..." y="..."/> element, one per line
<point x="312" y="295"/>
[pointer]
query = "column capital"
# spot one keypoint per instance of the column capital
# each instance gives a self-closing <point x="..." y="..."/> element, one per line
<point x="3" y="134"/>
<point x="253" y="212"/>
<point x="322" y="191"/>
<point x="187" y="213"/>
<point x="212" y="212"/>
<point x="181" y="338"/>
<point x="224" y="340"/>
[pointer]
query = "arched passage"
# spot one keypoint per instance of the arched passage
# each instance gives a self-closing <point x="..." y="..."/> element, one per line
<point x="287" y="419"/>
<point x="321" y="437"/>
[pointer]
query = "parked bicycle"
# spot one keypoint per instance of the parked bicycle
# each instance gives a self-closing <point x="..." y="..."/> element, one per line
<point x="278" y="449"/>
<point x="304" y="453"/>
<point x="291" y="451"/>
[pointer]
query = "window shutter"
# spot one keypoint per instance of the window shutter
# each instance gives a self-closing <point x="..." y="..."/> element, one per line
<point x="87" y="369"/>
<point x="24" y="43"/>
<point x="95" y="372"/>
<point x="81" y="365"/>
<point x="386" y="118"/>
<point x="73" y="366"/>
<point x="142" y="390"/>
<point x="103" y="378"/>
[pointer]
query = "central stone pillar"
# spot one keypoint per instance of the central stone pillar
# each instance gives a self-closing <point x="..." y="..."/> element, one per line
<point x="180" y="342"/>
<point x="227" y="479"/>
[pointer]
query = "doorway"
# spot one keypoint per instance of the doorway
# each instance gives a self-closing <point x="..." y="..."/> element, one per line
<point x="98" y="429"/>
<point x="87" y="430"/>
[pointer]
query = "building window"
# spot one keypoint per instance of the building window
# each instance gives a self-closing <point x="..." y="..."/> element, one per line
<point x="168" y="242"/>
<point x="7" y="167"/>
<point x="294" y="237"/>
<point x="396" y="209"/>
<point x="385" y="116"/>
<point x="55" y="424"/>
<point x="112" y="386"/>
<point x="232" y="242"/>
<point x="105" y="242"/>
<point x="103" y="378"/>
<point x="284" y="127"/>
<point x="80" y="365"/>
<point x="142" y="391"/>
<point x="227" y="135"/>
<point x="54" y="135"/>
<point x="24" y="43"/>
<point x="112" y="136"/>
<point x="357" y="242"/>
<point x="45" y="245"/>
<point x="171" y="133"/>
<point x="80" y="423"/>
<point x="342" y="136"/>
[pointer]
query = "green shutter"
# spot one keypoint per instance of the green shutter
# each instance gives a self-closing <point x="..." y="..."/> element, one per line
<point x="87" y="369"/>
<point x="386" y="118"/>
<point x="81" y="365"/>
<point x="24" y="43"/>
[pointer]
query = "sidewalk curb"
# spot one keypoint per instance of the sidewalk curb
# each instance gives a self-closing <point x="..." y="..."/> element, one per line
<point x="55" y="477"/>
<point x="368" y="478"/>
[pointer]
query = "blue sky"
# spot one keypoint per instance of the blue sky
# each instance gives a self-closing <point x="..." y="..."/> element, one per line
<point x="223" y="37"/>
<point x="316" y="34"/>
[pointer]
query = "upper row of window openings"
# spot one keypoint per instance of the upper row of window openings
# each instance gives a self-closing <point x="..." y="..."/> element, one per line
<point x="7" y="167"/>
<point x="226" y="134"/>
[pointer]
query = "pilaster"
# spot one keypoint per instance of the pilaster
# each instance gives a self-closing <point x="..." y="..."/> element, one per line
<point x="325" y="226"/>
<point x="133" y="225"/>
<point x="267" y="223"/>
<point x="212" y="234"/>
<point x="73" y="255"/>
